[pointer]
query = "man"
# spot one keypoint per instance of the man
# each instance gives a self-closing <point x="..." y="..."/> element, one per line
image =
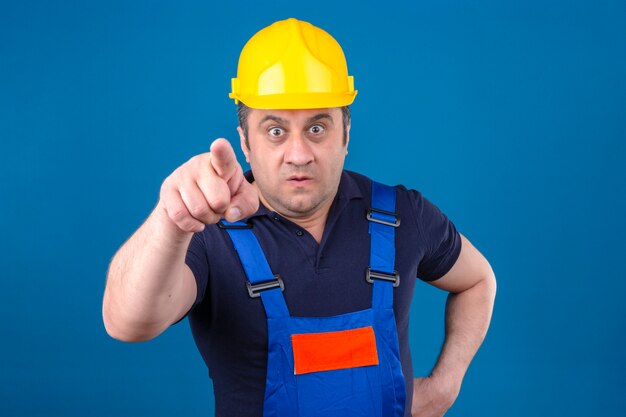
<point x="297" y="276"/>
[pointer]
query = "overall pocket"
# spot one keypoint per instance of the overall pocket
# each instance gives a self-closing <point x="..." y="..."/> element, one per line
<point x="337" y="373"/>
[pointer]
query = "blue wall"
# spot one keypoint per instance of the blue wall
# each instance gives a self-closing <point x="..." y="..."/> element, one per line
<point x="510" y="116"/>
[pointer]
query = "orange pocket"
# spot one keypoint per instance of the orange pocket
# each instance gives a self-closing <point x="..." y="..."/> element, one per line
<point x="313" y="352"/>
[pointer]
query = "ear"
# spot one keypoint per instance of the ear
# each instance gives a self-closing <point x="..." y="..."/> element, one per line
<point x="348" y="136"/>
<point x="242" y="143"/>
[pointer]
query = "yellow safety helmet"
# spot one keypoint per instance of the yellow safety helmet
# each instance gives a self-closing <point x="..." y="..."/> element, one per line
<point x="292" y="64"/>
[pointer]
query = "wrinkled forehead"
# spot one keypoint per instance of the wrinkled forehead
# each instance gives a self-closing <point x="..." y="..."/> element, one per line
<point x="294" y="117"/>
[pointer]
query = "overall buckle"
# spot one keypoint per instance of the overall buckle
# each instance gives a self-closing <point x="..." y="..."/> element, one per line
<point x="222" y="224"/>
<point x="371" y="275"/>
<point x="371" y="217"/>
<point x="255" y="290"/>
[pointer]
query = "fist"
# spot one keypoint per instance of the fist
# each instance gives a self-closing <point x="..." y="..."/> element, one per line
<point x="433" y="396"/>
<point x="206" y="188"/>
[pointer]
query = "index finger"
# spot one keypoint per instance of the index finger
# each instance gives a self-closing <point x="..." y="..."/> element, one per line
<point x="223" y="159"/>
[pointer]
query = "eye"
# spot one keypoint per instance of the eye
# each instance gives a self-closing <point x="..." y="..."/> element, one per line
<point x="316" y="129"/>
<point x="276" y="131"/>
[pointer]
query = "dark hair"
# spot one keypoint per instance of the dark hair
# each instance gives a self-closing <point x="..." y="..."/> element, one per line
<point x="243" y="111"/>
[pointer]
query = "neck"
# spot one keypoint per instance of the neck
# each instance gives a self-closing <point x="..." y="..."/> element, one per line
<point x="312" y="222"/>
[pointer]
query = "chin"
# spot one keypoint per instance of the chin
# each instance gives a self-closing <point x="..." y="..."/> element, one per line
<point x="299" y="207"/>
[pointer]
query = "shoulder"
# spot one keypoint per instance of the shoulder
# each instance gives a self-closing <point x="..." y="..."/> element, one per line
<point x="363" y="183"/>
<point x="355" y="183"/>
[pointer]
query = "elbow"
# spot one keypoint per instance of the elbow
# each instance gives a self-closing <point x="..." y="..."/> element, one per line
<point x="124" y="330"/>
<point x="127" y="334"/>
<point x="491" y="284"/>
<point x="121" y="324"/>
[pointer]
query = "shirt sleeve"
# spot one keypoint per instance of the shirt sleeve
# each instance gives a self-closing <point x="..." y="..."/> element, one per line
<point x="441" y="240"/>
<point x="196" y="259"/>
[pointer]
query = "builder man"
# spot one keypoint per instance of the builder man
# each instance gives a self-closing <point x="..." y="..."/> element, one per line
<point x="297" y="277"/>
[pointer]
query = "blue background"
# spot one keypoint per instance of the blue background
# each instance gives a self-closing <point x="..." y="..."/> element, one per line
<point x="510" y="116"/>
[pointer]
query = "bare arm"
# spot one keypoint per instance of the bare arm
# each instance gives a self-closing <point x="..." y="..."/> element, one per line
<point x="472" y="286"/>
<point x="149" y="287"/>
<point x="148" y="284"/>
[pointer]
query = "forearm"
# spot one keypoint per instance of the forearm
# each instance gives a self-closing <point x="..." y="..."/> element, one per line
<point x="144" y="281"/>
<point x="468" y="314"/>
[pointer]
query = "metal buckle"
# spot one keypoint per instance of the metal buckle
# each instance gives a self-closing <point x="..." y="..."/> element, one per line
<point x="371" y="275"/>
<point x="371" y="218"/>
<point x="255" y="290"/>
<point x="222" y="225"/>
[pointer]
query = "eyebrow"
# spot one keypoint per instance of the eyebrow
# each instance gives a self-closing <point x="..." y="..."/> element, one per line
<point x="277" y="119"/>
<point x="319" y="117"/>
<point x="282" y="121"/>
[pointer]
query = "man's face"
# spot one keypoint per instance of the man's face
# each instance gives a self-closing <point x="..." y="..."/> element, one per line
<point x="297" y="157"/>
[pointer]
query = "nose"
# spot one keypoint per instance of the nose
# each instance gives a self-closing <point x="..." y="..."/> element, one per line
<point x="298" y="150"/>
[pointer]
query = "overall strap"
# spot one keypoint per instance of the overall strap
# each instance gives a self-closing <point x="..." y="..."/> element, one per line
<point x="383" y="222"/>
<point x="261" y="281"/>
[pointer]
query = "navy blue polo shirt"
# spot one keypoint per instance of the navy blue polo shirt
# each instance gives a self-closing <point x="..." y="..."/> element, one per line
<point x="320" y="280"/>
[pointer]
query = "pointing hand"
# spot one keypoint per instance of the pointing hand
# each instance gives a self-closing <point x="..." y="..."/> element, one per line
<point x="206" y="188"/>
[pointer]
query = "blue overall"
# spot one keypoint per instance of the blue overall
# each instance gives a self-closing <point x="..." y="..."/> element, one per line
<point x="374" y="390"/>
